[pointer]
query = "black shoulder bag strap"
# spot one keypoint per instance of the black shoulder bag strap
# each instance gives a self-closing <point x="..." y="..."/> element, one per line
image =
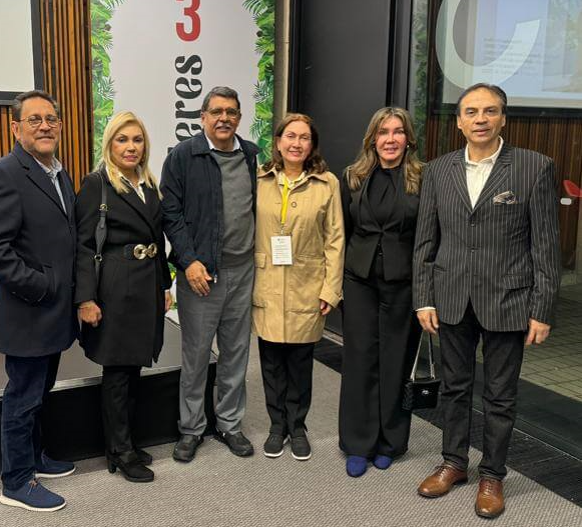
<point x="101" y="229"/>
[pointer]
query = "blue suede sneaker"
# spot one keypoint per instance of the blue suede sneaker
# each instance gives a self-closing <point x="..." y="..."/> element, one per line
<point x="382" y="462"/>
<point x="50" y="468"/>
<point x="356" y="466"/>
<point x="32" y="496"/>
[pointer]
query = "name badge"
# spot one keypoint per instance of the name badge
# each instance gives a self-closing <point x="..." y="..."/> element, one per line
<point x="281" y="250"/>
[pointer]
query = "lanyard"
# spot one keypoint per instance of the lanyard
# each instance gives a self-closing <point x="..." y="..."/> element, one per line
<point x="285" y="202"/>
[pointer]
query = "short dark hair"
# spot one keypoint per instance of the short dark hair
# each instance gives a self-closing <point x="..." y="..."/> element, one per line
<point x="220" y="91"/>
<point x="495" y="90"/>
<point x="33" y="94"/>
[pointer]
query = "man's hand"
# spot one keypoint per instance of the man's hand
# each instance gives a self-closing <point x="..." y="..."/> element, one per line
<point x="169" y="301"/>
<point x="324" y="307"/>
<point x="90" y="313"/>
<point x="198" y="278"/>
<point x="538" y="332"/>
<point x="428" y="320"/>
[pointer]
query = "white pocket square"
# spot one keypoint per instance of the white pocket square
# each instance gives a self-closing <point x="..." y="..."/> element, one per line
<point x="505" y="198"/>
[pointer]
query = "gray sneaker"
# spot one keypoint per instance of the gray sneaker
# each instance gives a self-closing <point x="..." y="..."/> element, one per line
<point x="273" y="446"/>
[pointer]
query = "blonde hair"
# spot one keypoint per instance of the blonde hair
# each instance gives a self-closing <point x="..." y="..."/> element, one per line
<point x="368" y="159"/>
<point x="117" y="122"/>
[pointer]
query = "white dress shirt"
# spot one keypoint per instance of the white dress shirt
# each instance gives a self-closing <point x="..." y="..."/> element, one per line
<point x="236" y="145"/>
<point x="52" y="172"/>
<point x="478" y="172"/>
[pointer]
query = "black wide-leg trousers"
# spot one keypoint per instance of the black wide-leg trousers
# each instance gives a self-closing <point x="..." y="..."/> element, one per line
<point x="287" y="371"/>
<point x="119" y="389"/>
<point x="381" y="335"/>
<point x="502" y="358"/>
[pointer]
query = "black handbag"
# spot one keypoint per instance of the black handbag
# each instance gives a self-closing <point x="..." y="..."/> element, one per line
<point x="100" y="230"/>
<point x="421" y="392"/>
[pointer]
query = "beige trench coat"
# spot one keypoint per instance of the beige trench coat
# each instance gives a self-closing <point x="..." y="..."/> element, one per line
<point x="286" y="297"/>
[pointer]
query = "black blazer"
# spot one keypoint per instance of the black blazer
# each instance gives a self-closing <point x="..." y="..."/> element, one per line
<point x="130" y="292"/>
<point x="364" y="233"/>
<point x="37" y="254"/>
<point x="503" y="254"/>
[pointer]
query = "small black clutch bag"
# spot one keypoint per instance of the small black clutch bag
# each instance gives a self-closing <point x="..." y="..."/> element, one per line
<point x="421" y="392"/>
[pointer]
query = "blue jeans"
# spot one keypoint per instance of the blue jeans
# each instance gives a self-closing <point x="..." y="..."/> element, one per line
<point x="30" y="379"/>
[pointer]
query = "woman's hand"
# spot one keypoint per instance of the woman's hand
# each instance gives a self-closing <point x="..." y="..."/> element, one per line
<point x="169" y="301"/>
<point x="90" y="313"/>
<point x="324" y="307"/>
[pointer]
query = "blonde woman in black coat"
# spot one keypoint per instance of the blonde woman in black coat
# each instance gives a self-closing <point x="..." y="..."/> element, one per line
<point x="122" y="314"/>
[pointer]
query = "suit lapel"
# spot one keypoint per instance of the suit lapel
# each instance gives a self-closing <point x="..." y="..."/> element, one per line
<point x="134" y="201"/>
<point x="38" y="176"/>
<point x="498" y="175"/>
<point x="459" y="177"/>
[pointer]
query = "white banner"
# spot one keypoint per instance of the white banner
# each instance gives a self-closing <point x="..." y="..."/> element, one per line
<point x="159" y="58"/>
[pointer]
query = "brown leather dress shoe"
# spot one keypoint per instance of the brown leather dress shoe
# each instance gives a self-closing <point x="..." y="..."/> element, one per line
<point x="489" y="503"/>
<point x="439" y="483"/>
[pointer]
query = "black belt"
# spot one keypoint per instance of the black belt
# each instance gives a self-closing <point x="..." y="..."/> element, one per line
<point x="135" y="251"/>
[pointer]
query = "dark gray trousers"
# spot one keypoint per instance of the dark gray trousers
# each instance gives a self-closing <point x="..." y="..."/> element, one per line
<point x="502" y="358"/>
<point x="226" y="313"/>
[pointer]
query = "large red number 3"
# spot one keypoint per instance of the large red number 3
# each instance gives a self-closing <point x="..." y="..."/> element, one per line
<point x="192" y="15"/>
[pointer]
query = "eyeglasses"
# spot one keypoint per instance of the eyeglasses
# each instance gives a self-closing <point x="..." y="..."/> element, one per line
<point x="34" y="121"/>
<point x="304" y="138"/>
<point x="231" y="113"/>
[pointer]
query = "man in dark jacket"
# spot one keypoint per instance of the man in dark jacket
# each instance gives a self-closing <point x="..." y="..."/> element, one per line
<point x="37" y="318"/>
<point x="208" y="184"/>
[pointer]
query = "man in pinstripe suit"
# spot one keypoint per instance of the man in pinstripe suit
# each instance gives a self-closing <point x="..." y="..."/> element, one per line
<point x="486" y="266"/>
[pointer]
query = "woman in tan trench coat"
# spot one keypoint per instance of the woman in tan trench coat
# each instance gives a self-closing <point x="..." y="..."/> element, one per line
<point x="299" y="252"/>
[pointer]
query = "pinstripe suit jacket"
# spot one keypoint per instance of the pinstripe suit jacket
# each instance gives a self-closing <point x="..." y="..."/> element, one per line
<point x="504" y="258"/>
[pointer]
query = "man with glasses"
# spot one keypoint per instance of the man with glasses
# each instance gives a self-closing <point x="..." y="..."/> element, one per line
<point x="37" y="318"/>
<point x="208" y="184"/>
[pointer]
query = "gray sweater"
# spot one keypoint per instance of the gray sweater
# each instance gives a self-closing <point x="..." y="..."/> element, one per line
<point x="237" y="192"/>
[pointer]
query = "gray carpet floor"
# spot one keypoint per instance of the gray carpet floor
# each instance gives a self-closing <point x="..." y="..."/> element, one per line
<point x="218" y="489"/>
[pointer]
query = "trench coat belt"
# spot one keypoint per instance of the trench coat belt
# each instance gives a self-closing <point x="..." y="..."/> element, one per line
<point x="134" y="251"/>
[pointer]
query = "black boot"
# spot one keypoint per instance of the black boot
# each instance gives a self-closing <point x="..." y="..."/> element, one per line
<point x="145" y="458"/>
<point x="130" y="466"/>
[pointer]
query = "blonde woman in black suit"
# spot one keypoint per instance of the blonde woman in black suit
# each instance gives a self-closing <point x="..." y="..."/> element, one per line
<point x="380" y="197"/>
<point x="123" y="313"/>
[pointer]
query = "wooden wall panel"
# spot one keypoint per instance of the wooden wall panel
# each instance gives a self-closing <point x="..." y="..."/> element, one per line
<point x="65" y="27"/>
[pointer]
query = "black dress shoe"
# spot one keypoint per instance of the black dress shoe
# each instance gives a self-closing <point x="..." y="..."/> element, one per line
<point x="185" y="448"/>
<point x="239" y="445"/>
<point x="130" y="466"/>
<point x="144" y="457"/>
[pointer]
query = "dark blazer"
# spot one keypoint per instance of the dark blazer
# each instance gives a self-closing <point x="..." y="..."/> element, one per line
<point x="193" y="207"/>
<point x="503" y="254"/>
<point x="37" y="254"/>
<point x="130" y="292"/>
<point x="364" y="233"/>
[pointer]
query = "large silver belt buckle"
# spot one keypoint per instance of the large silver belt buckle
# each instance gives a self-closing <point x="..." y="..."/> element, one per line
<point x="140" y="251"/>
<point x="152" y="250"/>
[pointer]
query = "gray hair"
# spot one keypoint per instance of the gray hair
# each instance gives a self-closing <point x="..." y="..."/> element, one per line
<point x="33" y="94"/>
<point x="220" y="91"/>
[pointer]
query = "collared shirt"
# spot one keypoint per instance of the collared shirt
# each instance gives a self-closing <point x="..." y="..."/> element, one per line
<point x="236" y="145"/>
<point x="291" y="184"/>
<point x="478" y="172"/>
<point x="139" y="187"/>
<point x="52" y="172"/>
